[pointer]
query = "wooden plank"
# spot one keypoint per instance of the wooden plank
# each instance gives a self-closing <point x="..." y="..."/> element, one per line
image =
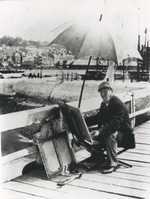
<point x="123" y="191"/>
<point x="137" y="171"/>
<point x="136" y="157"/>
<point x="141" y="135"/>
<point x="142" y="147"/>
<point x="9" y="194"/>
<point x="141" y="127"/>
<point x="145" y="126"/>
<point x="137" y="164"/>
<point x="13" y="164"/>
<point x="139" y="151"/>
<point x="140" y="112"/>
<point x="38" y="181"/>
<point x="100" y="178"/>
<point x="144" y="141"/>
<point x="15" y="167"/>
<point x="72" y="191"/>
<point x="142" y="131"/>
<point x="33" y="190"/>
<point x="143" y="138"/>
<point x="130" y="176"/>
<point x="21" y="153"/>
<point x="24" y="118"/>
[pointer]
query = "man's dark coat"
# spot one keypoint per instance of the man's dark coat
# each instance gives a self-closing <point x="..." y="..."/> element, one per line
<point x="114" y="117"/>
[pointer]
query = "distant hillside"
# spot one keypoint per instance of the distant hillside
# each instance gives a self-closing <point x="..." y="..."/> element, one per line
<point x="18" y="41"/>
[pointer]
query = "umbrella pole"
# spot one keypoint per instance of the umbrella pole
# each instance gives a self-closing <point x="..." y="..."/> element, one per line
<point x="81" y="92"/>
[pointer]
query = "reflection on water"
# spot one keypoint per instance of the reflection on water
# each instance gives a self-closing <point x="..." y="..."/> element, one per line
<point x="9" y="105"/>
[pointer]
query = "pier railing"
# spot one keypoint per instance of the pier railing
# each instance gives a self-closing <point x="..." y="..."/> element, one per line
<point x="15" y="154"/>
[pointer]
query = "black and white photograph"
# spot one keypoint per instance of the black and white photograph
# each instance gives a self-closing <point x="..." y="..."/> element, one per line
<point x="75" y="99"/>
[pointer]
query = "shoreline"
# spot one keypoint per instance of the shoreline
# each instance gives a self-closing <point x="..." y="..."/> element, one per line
<point x="40" y="92"/>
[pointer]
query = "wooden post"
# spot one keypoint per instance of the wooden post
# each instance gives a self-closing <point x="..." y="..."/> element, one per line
<point x="132" y="110"/>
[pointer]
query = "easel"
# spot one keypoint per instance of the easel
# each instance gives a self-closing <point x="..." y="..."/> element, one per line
<point x="56" y="153"/>
<point x="81" y="134"/>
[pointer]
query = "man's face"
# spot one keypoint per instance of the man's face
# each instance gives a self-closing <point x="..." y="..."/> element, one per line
<point x="106" y="94"/>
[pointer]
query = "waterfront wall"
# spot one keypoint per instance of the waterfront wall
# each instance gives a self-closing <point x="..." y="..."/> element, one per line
<point x="48" y="90"/>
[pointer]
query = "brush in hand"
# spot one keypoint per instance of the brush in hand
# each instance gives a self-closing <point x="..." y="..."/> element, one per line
<point x="22" y="138"/>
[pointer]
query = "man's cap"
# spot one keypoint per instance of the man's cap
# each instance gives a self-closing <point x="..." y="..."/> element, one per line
<point x="104" y="85"/>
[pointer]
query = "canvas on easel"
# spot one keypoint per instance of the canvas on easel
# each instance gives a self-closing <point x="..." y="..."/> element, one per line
<point x="76" y="123"/>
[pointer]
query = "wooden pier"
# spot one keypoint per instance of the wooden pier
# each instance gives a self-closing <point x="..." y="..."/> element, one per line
<point x="124" y="183"/>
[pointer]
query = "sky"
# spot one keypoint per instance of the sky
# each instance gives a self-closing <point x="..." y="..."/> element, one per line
<point x="36" y="19"/>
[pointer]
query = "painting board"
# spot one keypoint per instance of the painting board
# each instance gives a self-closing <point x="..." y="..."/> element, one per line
<point x="49" y="157"/>
<point x="76" y="123"/>
<point x="64" y="150"/>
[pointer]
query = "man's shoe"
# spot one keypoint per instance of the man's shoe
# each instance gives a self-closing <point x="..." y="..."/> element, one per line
<point x="109" y="169"/>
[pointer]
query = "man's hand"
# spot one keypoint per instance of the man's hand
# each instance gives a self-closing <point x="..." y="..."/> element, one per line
<point x="94" y="133"/>
<point x="24" y="139"/>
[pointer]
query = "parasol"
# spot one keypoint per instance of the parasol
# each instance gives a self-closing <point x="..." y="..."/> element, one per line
<point x="85" y="40"/>
<point x="88" y="40"/>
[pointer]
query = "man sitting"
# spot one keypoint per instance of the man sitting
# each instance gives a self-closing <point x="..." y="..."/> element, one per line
<point x="112" y="118"/>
